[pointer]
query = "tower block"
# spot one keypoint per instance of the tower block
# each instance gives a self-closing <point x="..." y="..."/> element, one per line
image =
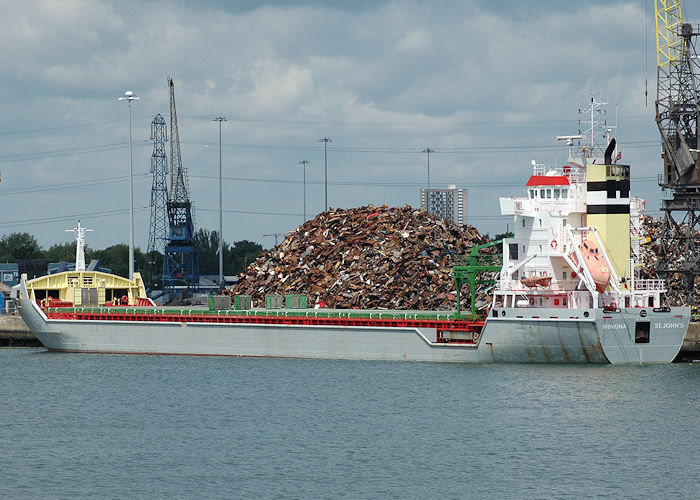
<point x="608" y="209"/>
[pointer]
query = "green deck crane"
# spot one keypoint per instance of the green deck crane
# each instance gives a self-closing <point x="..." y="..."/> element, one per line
<point x="467" y="267"/>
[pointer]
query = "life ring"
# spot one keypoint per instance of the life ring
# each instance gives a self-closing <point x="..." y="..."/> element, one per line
<point x="553" y="244"/>
<point x="613" y="305"/>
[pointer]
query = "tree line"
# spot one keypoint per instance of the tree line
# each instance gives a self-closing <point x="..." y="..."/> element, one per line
<point x="20" y="246"/>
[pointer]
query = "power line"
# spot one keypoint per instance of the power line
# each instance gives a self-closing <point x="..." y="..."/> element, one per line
<point x="251" y="212"/>
<point x="67" y="185"/>
<point x="406" y="185"/>
<point x="37" y="155"/>
<point x="384" y="184"/>
<point x="62" y="218"/>
<point x="431" y="124"/>
<point x="406" y="124"/>
<point x="404" y="150"/>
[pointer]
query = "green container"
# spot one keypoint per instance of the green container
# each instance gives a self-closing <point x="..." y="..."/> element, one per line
<point x="242" y="302"/>
<point x="294" y="301"/>
<point x="274" y="301"/>
<point x="219" y="302"/>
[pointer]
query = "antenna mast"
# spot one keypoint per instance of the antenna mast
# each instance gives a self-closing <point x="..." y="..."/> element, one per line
<point x="79" y="246"/>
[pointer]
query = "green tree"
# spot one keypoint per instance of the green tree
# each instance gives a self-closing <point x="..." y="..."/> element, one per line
<point x="208" y="244"/>
<point x="60" y="252"/>
<point x="236" y="257"/>
<point x="240" y="255"/>
<point x="19" y="246"/>
<point x="116" y="258"/>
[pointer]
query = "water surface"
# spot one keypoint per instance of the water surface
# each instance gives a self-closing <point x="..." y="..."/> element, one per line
<point x="181" y="426"/>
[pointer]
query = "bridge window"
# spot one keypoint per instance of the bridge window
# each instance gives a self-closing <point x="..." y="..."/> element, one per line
<point x="513" y="251"/>
<point x="557" y="192"/>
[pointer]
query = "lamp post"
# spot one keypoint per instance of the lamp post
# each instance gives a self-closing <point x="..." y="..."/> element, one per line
<point x="130" y="96"/>
<point x="427" y="193"/>
<point x="325" y="142"/>
<point x="304" y="163"/>
<point x="221" y="211"/>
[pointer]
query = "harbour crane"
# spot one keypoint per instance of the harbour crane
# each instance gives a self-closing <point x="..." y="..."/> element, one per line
<point x="181" y="259"/>
<point x="677" y="117"/>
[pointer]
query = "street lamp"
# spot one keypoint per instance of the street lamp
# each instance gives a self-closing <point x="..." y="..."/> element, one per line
<point x="304" y="163"/>
<point x="325" y="142"/>
<point x="427" y="193"/>
<point x="130" y="96"/>
<point x="221" y="211"/>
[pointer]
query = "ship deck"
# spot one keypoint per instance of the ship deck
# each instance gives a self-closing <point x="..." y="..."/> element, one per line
<point x="267" y="313"/>
<point x="442" y="321"/>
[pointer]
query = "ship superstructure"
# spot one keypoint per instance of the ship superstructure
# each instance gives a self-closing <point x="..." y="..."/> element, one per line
<point x="572" y="243"/>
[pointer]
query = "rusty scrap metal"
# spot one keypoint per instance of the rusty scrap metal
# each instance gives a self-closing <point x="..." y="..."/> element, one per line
<point x="368" y="258"/>
<point x="677" y="293"/>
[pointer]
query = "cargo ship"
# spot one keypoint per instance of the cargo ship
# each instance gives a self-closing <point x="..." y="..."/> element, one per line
<point x="565" y="291"/>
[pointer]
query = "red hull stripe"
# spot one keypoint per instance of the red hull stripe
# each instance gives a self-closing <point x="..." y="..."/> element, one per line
<point x="440" y="325"/>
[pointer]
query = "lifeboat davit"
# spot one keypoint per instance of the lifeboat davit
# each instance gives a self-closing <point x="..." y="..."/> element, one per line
<point x="593" y="260"/>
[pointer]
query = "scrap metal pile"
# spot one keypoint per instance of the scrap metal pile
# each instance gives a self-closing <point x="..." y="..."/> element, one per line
<point x="369" y="258"/>
<point x="675" y="296"/>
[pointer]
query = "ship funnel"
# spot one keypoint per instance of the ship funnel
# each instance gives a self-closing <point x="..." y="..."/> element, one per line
<point x="609" y="152"/>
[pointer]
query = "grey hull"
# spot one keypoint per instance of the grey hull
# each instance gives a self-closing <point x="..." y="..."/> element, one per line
<point x="622" y="336"/>
<point x="512" y="336"/>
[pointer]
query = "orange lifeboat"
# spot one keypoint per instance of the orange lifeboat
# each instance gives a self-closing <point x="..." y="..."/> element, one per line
<point x="593" y="260"/>
<point x="536" y="281"/>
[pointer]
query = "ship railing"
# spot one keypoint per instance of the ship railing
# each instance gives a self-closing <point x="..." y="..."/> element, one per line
<point x="637" y="205"/>
<point x="510" y="285"/>
<point x="538" y="168"/>
<point x="577" y="178"/>
<point x="649" y="285"/>
<point x="559" y="205"/>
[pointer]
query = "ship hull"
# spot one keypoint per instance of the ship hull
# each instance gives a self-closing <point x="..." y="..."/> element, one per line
<point x="621" y="336"/>
<point x="591" y="336"/>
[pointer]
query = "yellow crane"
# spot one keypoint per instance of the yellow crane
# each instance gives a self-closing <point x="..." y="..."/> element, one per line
<point x="677" y="117"/>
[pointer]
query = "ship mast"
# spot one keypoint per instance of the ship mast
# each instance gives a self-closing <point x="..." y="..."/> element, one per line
<point x="79" y="246"/>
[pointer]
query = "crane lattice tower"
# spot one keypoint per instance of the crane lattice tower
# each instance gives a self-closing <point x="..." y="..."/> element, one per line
<point x="158" y="232"/>
<point x="677" y="117"/>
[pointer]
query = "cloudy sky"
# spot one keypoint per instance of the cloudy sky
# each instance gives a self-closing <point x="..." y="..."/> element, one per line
<point x="487" y="85"/>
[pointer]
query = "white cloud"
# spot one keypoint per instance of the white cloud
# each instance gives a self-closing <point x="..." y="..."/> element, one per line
<point x="415" y="41"/>
<point x="383" y="80"/>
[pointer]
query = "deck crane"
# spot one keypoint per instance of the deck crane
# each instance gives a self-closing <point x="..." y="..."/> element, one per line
<point x="181" y="259"/>
<point x="678" y="117"/>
